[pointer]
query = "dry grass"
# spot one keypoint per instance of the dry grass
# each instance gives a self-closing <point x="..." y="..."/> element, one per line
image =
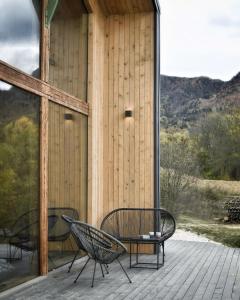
<point x="229" y="187"/>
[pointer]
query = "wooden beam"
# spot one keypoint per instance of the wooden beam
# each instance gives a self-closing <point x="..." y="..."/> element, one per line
<point x="43" y="240"/>
<point x="44" y="59"/>
<point x="41" y="88"/>
<point x="44" y="187"/>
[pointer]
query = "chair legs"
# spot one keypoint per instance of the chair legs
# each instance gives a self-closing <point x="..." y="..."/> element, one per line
<point x="124" y="271"/>
<point x="82" y="270"/>
<point x="163" y="252"/>
<point x="106" y="269"/>
<point x="75" y="256"/>
<point x="101" y="265"/>
<point x="94" y="270"/>
<point x="12" y="254"/>
<point x="51" y="260"/>
<point x="102" y="270"/>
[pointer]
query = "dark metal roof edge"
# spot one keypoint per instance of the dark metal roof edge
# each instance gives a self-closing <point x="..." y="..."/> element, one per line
<point x="156" y="112"/>
<point x="156" y="5"/>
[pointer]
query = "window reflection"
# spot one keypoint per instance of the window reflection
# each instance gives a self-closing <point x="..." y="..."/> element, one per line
<point x="67" y="180"/>
<point x="19" y="185"/>
<point x="69" y="47"/>
<point x="19" y="34"/>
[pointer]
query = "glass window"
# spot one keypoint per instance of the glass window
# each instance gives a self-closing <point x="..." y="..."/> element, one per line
<point x="19" y="185"/>
<point x="200" y="157"/>
<point x="67" y="177"/>
<point x="19" y="34"/>
<point x="68" y="48"/>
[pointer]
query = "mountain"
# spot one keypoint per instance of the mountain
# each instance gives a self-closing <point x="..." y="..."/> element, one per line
<point x="16" y="103"/>
<point x="185" y="100"/>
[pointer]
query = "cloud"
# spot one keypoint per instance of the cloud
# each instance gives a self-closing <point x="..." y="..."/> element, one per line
<point x="18" y="21"/>
<point x="4" y="86"/>
<point x="225" y="21"/>
<point x="200" y="38"/>
<point x="24" y="57"/>
<point x="19" y="34"/>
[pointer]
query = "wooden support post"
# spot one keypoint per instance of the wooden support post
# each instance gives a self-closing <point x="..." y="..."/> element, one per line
<point x="43" y="241"/>
<point x="44" y="187"/>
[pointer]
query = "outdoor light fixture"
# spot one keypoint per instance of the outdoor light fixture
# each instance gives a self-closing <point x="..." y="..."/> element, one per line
<point x="68" y="116"/>
<point x="128" y="113"/>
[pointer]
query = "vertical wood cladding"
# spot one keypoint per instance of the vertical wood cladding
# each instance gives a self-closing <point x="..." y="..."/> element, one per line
<point x="67" y="164"/>
<point x="95" y="118"/>
<point x="128" y="84"/>
<point x="68" y="54"/>
<point x="120" y="77"/>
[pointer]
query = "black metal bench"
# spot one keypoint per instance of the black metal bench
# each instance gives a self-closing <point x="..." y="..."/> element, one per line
<point x="133" y="226"/>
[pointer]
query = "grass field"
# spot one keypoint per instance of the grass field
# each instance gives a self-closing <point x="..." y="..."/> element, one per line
<point x="201" y="209"/>
<point x="227" y="234"/>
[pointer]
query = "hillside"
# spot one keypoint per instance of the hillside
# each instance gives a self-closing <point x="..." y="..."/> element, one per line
<point x="16" y="103"/>
<point x="186" y="100"/>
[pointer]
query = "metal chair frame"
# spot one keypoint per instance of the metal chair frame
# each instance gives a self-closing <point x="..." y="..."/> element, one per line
<point x="100" y="247"/>
<point x="130" y="224"/>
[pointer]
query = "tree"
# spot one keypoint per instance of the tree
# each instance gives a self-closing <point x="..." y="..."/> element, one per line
<point x="178" y="167"/>
<point x="218" y="144"/>
<point x="18" y="168"/>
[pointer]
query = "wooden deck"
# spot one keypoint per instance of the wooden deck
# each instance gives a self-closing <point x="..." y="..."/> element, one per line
<point x="193" y="270"/>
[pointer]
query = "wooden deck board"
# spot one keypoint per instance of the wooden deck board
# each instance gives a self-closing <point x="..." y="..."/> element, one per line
<point x="229" y="283"/>
<point x="203" y="284"/>
<point x="192" y="270"/>
<point x="218" y="293"/>
<point x="236" y="286"/>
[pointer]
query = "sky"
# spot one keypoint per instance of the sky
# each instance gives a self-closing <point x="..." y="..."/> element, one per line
<point x="19" y="36"/>
<point x="200" y="38"/>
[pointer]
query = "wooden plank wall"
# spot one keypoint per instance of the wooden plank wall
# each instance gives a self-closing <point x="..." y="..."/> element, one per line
<point x="120" y="76"/>
<point x="95" y="117"/>
<point x="128" y="83"/>
<point x="68" y="55"/>
<point x="67" y="165"/>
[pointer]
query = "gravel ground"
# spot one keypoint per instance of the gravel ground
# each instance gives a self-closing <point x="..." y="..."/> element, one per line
<point x="182" y="235"/>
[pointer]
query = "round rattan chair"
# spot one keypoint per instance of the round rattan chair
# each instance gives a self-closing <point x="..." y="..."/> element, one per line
<point x="99" y="246"/>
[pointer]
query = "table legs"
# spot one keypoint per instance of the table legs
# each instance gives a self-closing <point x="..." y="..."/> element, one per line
<point x="139" y="264"/>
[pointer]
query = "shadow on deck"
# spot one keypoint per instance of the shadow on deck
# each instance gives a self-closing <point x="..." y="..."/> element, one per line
<point x="192" y="270"/>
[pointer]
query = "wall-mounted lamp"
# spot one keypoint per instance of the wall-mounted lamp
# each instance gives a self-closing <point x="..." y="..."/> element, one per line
<point x="128" y="113"/>
<point x="68" y="116"/>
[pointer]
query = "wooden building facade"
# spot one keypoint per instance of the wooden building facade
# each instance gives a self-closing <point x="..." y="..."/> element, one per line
<point x="91" y="88"/>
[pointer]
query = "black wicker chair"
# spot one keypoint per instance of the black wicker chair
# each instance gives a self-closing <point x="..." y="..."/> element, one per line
<point x="61" y="231"/>
<point x="69" y="221"/>
<point x="99" y="246"/>
<point x="132" y="226"/>
<point x="25" y="233"/>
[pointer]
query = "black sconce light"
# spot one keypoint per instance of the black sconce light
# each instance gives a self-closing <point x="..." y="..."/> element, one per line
<point x="128" y="113"/>
<point x="68" y="116"/>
